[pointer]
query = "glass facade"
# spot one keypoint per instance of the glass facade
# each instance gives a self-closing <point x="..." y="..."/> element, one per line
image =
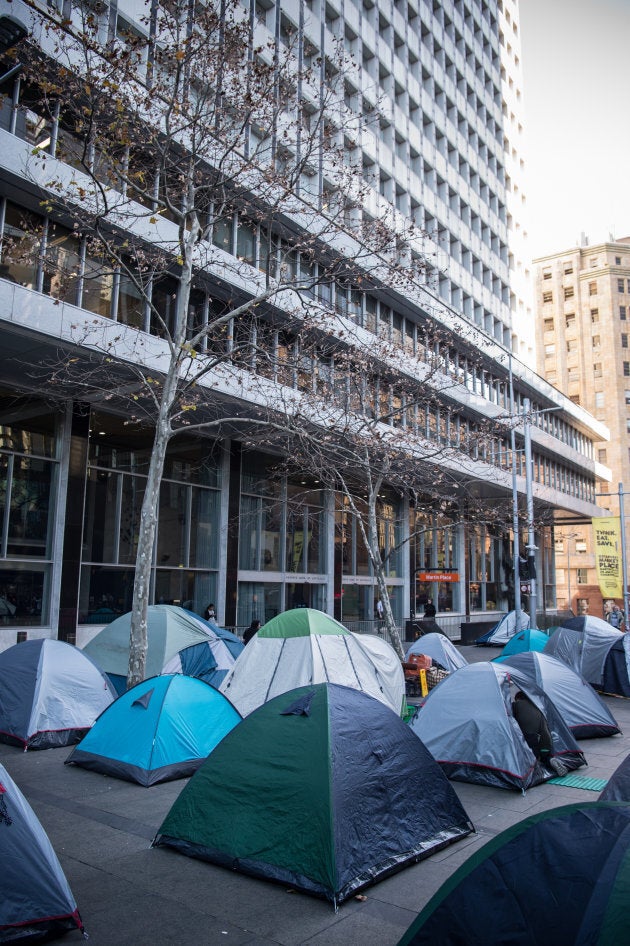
<point x="186" y="547"/>
<point x="29" y="470"/>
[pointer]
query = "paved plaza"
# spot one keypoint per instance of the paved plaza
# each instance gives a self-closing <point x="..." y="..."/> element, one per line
<point x="130" y="893"/>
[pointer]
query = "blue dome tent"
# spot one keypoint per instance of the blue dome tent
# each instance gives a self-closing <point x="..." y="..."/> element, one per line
<point x="161" y="729"/>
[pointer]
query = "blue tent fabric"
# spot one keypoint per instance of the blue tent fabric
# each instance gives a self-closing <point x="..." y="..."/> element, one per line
<point x="35" y="899"/>
<point x="161" y="729"/>
<point x="50" y="694"/>
<point x="439" y="648"/>
<point x="529" y="639"/>
<point x="581" y="708"/>
<point x="559" y="877"/>
<point x="468" y="726"/>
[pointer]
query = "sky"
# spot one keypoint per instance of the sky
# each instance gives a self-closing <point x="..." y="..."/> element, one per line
<point x="575" y="57"/>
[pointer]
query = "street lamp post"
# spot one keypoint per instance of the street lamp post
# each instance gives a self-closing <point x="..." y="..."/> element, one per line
<point x="531" y="538"/>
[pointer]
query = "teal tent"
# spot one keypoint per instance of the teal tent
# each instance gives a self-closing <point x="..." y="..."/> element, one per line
<point x="169" y="630"/>
<point x="161" y="729"/>
<point x="530" y="639"/>
<point x="323" y="788"/>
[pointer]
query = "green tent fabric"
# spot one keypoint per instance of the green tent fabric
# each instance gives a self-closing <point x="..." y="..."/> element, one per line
<point x="328" y="791"/>
<point x="558" y="877"/>
<point x="301" y="622"/>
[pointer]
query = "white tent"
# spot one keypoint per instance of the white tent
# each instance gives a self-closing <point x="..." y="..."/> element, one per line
<point x="305" y="646"/>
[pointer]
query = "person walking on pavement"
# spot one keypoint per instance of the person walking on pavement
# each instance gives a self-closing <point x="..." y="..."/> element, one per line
<point x="251" y="630"/>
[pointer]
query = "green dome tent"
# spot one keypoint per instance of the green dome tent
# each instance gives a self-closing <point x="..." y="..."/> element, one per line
<point x="322" y="788"/>
<point x="305" y="646"/>
<point x="559" y="877"/>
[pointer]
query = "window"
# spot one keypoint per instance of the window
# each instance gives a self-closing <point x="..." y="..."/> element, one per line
<point x="602" y="455"/>
<point x="592" y="289"/>
<point x="624" y="340"/>
<point x="629" y="285"/>
<point x="568" y="269"/>
<point x="628" y="425"/>
<point x="569" y="320"/>
<point x="547" y="273"/>
<point x="582" y="576"/>
<point x="599" y="399"/>
<point x="572" y="344"/>
<point x="547" y="296"/>
<point x="620" y="285"/>
<point x="594" y="315"/>
<point x="596" y="341"/>
<point x="627" y="397"/>
<point x="597" y="369"/>
<point x="569" y="292"/>
<point x="626" y="369"/>
<point x="622" y="313"/>
<point x="593" y="262"/>
<point x="548" y="325"/>
<point x="617" y="261"/>
<point x="550" y="350"/>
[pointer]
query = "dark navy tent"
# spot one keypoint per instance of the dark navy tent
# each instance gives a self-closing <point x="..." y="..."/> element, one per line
<point x="161" y="729"/>
<point x="50" y="694"/>
<point x="559" y="878"/>
<point x="467" y="724"/>
<point x="322" y="788"/>
<point x="582" y="709"/>
<point x="618" y="787"/>
<point x="35" y="899"/>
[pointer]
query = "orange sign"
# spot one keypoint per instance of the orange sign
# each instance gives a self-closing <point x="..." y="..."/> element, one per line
<point x="438" y="576"/>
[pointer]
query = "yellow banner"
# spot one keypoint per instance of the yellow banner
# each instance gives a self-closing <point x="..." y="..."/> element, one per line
<point x="607" y="540"/>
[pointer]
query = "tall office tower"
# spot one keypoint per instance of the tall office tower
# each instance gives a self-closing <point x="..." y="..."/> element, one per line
<point x="582" y="303"/>
<point x="395" y="121"/>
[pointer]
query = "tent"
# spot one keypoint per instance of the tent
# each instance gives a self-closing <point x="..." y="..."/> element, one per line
<point x="506" y="628"/>
<point x="618" y="787"/>
<point x="581" y="708"/>
<point x="467" y="724"/>
<point x="159" y="730"/>
<point x="36" y="900"/>
<point x="169" y="630"/>
<point x="560" y="876"/>
<point x="438" y="647"/>
<point x="597" y="651"/>
<point x="208" y="660"/>
<point x="50" y="694"/>
<point x="304" y="646"/>
<point x="529" y="639"/>
<point x="328" y="792"/>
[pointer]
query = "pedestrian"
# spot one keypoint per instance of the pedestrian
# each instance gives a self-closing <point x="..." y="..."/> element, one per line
<point x="380" y="609"/>
<point x="429" y="610"/>
<point x="536" y="732"/>
<point x="251" y="630"/>
<point x="615" y="617"/>
<point x="210" y="614"/>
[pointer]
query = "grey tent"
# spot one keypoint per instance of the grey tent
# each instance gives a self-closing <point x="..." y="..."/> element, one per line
<point x="505" y="629"/>
<point x="467" y="724"/>
<point x="35" y="898"/>
<point x="50" y="694"/>
<point x="439" y="648"/>
<point x="323" y="788"/>
<point x="582" y="709"/>
<point x="600" y="653"/>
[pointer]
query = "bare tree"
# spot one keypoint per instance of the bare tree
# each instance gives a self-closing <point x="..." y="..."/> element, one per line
<point x="198" y="184"/>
